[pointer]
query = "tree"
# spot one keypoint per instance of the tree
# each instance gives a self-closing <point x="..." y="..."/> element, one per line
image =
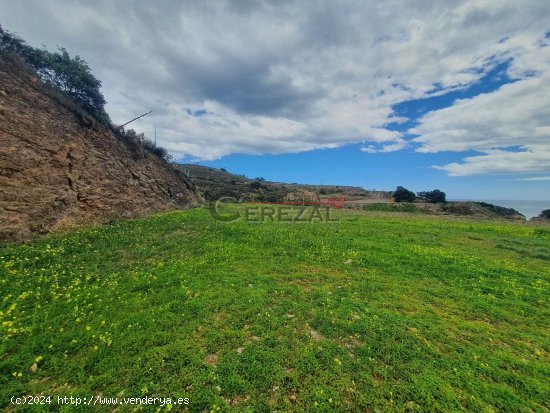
<point x="403" y="195"/>
<point x="434" y="196"/>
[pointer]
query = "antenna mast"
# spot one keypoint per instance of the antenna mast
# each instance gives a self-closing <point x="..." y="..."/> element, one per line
<point x="136" y="118"/>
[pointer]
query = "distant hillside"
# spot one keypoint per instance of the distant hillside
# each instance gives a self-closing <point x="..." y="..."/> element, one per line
<point x="59" y="168"/>
<point x="216" y="183"/>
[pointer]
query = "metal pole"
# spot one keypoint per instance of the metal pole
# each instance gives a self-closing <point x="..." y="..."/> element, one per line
<point x="136" y="118"/>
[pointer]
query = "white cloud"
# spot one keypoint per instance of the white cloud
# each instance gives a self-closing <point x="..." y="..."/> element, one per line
<point x="280" y="77"/>
<point x="510" y="127"/>
<point x="500" y="163"/>
<point x="369" y="149"/>
<point x="397" y="145"/>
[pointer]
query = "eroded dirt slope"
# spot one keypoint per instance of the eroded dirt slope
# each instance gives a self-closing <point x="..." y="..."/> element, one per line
<point x="59" y="170"/>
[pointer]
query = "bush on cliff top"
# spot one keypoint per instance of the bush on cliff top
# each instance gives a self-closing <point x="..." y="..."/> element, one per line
<point x="70" y="75"/>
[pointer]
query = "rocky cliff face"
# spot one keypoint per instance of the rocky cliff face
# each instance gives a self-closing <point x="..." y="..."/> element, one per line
<point x="59" y="170"/>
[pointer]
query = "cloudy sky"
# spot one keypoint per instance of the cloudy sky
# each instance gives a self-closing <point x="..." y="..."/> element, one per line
<point x="452" y="93"/>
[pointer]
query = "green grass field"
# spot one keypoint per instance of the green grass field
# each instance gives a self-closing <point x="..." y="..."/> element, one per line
<point x="377" y="312"/>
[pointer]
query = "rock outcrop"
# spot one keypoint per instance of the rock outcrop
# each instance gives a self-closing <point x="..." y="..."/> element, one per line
<point x="58" y="169"/>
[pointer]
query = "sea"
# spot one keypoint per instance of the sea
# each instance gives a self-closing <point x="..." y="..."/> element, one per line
<point x="528" y="208"/>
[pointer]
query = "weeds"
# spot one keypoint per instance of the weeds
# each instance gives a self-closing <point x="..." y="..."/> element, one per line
<point x="374" y="312"/>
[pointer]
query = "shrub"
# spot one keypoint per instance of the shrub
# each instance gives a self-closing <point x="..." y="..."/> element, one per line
<point x="139" y="142"/>
<point x="502" y="211"/>
<point x="458" y="209"/>
<point x="70" y="75"/>
<point x="384" y="207"/>
<point x="152" y="147"/>
<point x="256" y="184"/>
<point x="434" y="196"/>
<point x="403" y="195"/>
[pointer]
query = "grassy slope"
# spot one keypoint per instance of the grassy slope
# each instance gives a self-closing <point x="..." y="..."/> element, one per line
<point x="377" y="312"/>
